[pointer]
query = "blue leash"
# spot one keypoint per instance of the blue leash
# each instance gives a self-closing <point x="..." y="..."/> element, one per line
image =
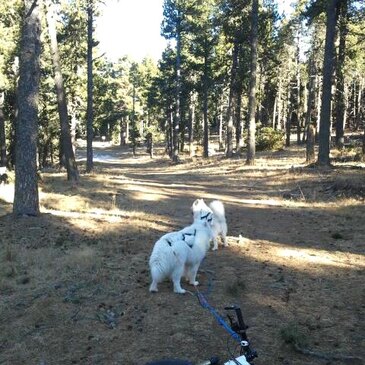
<point x="204" y="303"/>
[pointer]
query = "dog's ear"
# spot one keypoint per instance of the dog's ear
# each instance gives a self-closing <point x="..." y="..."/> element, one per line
<point x="195" y="204"/>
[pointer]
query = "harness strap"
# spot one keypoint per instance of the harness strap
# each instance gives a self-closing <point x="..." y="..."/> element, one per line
<point x="205" y="216"/>
<point x="189" y="234"/>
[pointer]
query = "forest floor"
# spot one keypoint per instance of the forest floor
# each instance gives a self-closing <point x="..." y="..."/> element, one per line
<point x="74" y="281"/>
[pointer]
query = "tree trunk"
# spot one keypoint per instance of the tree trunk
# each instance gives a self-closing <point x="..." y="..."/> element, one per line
<point x="26" y="199"/>
<point x="325" y="126"/>
<point x="274" y="112"/>
<point x="238" y="119"/>
<point x="90" y="86"/>
<point x="220" y="128"/>
<point x="288" y="119"/>
<point x="280" y="125"/>
<point x="177" y="119"/>
<point x="205" y="104"/>
<point x="363" y="145"/>
<point x="230" y="126"/>
<point x="191" y="125"/>
<point x="70" y="162"/>
<point x="311" y="139"/>
<point x="298" y="101"/>
<point x="359" y="106"/>
<point x="123" y="131"/>
<point x="170" y="133"/>
<point x="3" y="160"/>
<point x="340" y="87"/>
<point x="251" y="145"/>
<point x="311" y="94"/>
<point x="133" y="120"/>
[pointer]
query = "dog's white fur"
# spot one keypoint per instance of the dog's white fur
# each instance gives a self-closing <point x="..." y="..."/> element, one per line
<point x="218" y="223"/>
<point x="178" y="254"/>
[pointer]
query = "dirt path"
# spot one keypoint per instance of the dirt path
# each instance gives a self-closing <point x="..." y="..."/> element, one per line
<point x="74" y="283"/>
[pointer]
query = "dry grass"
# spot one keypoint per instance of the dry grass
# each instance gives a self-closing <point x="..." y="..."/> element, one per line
<point x="74" y="282"/>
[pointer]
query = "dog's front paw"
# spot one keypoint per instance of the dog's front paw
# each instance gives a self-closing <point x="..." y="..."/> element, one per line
<point x="180" y="291"/>
<point x="153" y="288"/>
<point x="195" y="283"/>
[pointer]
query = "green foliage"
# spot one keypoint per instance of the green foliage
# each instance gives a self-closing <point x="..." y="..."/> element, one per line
<point x="10" y="20"/>
<point x="145" y="93"/>
<point x="269" y="139"/>
<point x="292" y="334"/>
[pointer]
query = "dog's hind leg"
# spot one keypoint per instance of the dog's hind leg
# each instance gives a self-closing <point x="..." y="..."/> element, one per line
<point x="176" y="278"/>
<point x="156" y="278"/>
<point x="224" y="235"/>
<point x="215" y="244"/>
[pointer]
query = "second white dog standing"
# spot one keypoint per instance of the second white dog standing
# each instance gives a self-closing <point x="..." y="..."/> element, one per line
<point x="180" y="253"/>
<point x="218" y="223"/>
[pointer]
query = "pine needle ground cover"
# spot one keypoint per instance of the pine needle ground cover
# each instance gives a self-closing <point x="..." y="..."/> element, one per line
<point x="74" y="281"/>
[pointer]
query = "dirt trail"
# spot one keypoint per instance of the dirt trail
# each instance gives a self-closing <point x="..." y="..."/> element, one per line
<point x="74" y="282"/>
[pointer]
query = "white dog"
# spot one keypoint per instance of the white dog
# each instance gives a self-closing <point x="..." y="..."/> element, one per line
<point x="218" y="223"/>
<point x="180" y="253"/>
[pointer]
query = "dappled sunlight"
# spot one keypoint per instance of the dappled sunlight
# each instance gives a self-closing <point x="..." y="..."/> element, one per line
<point x="303" y="259"/>
<point x="322" y="257"/>
<point x="87" y="220"/>
<point x="140" y="192"/>
<point x="7" y="193"/>
<point x="148" y="196"/>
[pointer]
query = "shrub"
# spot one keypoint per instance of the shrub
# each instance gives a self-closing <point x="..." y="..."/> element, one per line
<point x="269" y="139"/>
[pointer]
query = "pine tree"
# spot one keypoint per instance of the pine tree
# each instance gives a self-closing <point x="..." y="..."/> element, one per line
<point x="26" y="200"/>
<point x="251" y="145"/>
<point x="325" y="125"/>
<point x="90" y="88"/>
<point x="67" y="148"/>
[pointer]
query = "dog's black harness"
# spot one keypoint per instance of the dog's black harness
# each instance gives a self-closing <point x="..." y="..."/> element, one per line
<point x="206" y="217"/>
<point x="189" y="234"/>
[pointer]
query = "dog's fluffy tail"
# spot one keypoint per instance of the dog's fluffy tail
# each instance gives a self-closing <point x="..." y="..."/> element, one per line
<point x="218" y="209"/>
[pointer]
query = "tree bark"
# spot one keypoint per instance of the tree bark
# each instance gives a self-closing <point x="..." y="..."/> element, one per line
<point x="279" y="125"/>
<point x="90" y="86"/>
<point x="177" y="119"/>
<point x="3" y="160"/>
<point x="311" y="138"/>
<point x="220" y="127"/>
<point x="238" y="119"/>
<point x="205" y="102"/>
<point x="70" y="162"/>
<point x="251" y="146"/>
<point x="311" y="94"/>
<point x="229" y="152"/>
<point x="191" y="125"/>
<point x="325" y="125"/>
<point x="26" y="199"/>
<point x="298" y="101"/>
<point x="340" y="82"/>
